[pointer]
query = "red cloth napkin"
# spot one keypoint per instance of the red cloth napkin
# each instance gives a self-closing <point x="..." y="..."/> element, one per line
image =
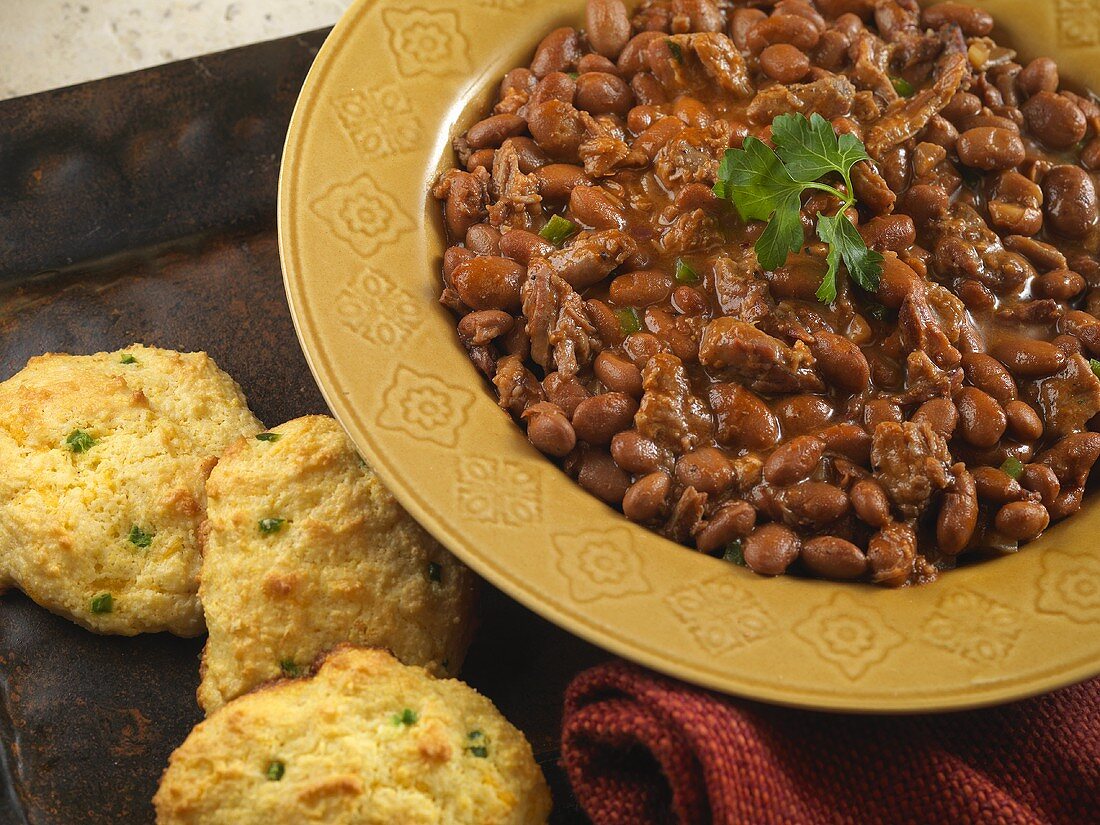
<point x="640" y="748"/>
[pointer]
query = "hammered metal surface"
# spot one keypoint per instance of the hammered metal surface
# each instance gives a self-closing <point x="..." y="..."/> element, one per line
<point x="177" y="250"/>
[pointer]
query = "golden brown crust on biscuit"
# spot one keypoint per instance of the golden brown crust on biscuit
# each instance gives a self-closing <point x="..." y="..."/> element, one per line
<point x="105" y="459"/>
<point x="340" y="562"/>
<point x="364" y="740"/>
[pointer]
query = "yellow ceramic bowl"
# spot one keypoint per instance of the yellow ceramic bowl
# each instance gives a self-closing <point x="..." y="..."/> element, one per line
<point x="361" y="245"/>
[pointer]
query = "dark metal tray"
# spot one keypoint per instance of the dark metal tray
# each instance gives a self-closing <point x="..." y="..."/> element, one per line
<point x="141" y="208"/>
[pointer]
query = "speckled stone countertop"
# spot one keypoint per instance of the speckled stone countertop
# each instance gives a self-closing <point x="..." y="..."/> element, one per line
<point x="45" y="44"/>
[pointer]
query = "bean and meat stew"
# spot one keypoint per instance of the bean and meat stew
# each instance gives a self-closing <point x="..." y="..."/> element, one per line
<point x="812" y="286"/>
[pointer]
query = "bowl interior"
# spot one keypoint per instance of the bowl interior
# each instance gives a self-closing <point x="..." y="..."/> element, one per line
<point x="361" y="240"/>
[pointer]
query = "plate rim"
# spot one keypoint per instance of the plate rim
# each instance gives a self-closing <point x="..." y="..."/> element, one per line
<point x="295" y="283"/>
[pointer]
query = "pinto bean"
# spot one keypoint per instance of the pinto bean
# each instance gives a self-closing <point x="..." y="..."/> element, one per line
<point x="648" y="90"/>
<point x="1090" y="155"/>
<point x="530" y="154"/>
<point x="549" y="430"/>
<point x="607" y="26"/>
<point x="555" y="86"/>
<point x="989" y="375"/>
<point x="595" y="208"/>
<point x="743" y="418"/>
<point x="961" y="107"/>
<point x="689" y="301"/>
<point x="634" y="453"/>
<point x="924" y="203"/>
<point x="1061" y="285"/>
<point x="990" y="148"/>
<point x="633" y="58"/>
<point x="483" y="239"/>
<point x="982" y="420"/>
<point x="596" y="63"/>
<point x="707" y="469"/>
<point x="840" y="362"/>
<point x="794" y="460"/>
<point x="647" y="497"/>
<point x="454" y="256"/>
<point x="1040" y="75"/>
<point x="1070" y="201"/>
<point x="600" y="418"/>
<point x="897" y="282"/>
<point x="692" y="112"/>
<point x="493" y="131"/>
<point x="996" y="485"/>
<point x="940" y="414"/>
<point x="1028" y="357"/>
<point x="832" y="50"/>
<point x="870" y="503"/>
<point x="1023" y="422"/>
<point x="559" y="51"/>
<point x="641" y="289"/>
<point x="641" y="118"/>
<point x="771" y="549"/>
<point x="733" y="520"/>
<point x="1040" y="479"/>
<point x="601" y="93"/>
<point x="489" y="283"/>
<point x="1055" y="120"/>
<point x="798" y="279"/>
<point x="782" y="28"/>
<point x="800" y="414"/>
<point x="814" y="503"/>
<point x="556" y="128"/>
<point x="696" y="16"/>
<point x="894" y="232"/>
<point x="958" y="517"/>
<point x="973" y="22"/>
<point x="784" y="63"/>
<point x="521" y="246"/>
<point x="599" y="475"/>
<point x="742" y="21"/>
<point x="518" y="81"/>
<point x="941" y="132"/>
<point x="558" y="180"/>
<point x="641" y="346"/>
<point x="618" y="374"/>
<point x="880" y="411"/>
<point x="1022" y="520"/>
<point x="849" y="440"/>
<point x="834" y="558"/>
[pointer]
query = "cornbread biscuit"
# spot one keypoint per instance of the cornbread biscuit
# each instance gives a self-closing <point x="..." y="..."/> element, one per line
<point x="366" y="740"/>
<point x="304" y="549"/>
<point x="102" y="489"/>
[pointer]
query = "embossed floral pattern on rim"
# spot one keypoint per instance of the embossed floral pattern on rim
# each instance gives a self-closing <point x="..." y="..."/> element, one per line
<point x="360" y="253"/>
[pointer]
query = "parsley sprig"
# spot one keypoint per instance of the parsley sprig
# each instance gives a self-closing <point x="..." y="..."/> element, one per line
<point x="767" y="185"/>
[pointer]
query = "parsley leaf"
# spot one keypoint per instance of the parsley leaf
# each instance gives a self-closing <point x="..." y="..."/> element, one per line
<point x="756" y="180"/>
<point x="767" y="185"/>
<point x="846" y="244"/>
<point x="810" y="149"/>
<point x="783" y="234"/>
